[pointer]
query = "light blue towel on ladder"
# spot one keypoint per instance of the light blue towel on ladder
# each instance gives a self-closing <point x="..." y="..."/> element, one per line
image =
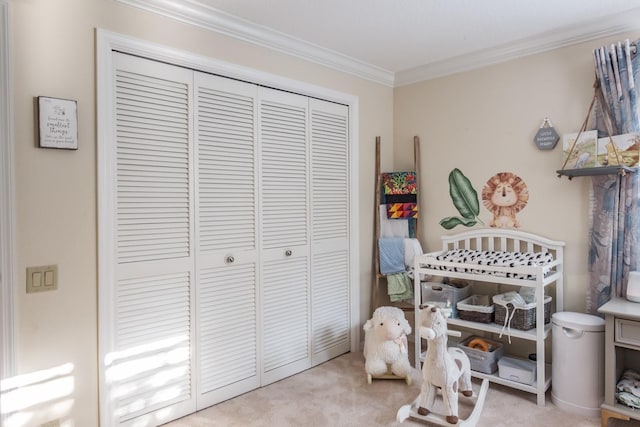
<point x="391" y="255"/>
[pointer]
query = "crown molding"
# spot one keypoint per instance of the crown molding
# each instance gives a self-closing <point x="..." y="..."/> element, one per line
<point x="206" y="17"/>
<point x="608" y="26"/>
<point x="195" y="13"/>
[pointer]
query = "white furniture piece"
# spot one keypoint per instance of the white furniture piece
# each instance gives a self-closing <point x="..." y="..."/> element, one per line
<point x="622" y="348"/>
<point x="506" y="240"/>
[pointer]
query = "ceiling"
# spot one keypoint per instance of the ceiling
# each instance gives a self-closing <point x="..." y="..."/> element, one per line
<point x="399" y="42"/>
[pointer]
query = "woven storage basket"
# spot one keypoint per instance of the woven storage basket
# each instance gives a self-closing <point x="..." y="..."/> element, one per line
<point x="476" y="308"/>
<point x="524" y="317"/>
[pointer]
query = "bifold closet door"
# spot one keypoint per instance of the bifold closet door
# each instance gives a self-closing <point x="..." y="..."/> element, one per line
<point x="284" y="194"/>
<point x="330" y="216"/>
<point x="226" y="198"/>
<point x="148" y="350"/>
<point x="224" y="239"/>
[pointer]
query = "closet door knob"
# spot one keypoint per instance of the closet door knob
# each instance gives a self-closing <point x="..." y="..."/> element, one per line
<point x="288" y="252"/>
<point x="229" y="259"/>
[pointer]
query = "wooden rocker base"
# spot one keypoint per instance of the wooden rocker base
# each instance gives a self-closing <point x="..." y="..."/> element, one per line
<point x="411" y="410"/>
<point x="388" y="376"/>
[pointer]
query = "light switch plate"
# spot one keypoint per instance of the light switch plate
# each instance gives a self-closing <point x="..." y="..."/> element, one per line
<point x="43" y="278"/>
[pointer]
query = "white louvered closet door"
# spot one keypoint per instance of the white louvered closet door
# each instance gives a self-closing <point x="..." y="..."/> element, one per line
<point x="329" y="229"/>
<point x="283" y="140"/>
<point x="149" y="366"/>
<point x="224" y="237"/>
<point x="226" y="174"/>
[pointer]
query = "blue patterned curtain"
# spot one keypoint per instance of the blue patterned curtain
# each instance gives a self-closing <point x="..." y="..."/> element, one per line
<point x="614" y="199"/>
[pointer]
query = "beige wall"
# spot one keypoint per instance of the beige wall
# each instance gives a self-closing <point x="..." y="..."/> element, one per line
<point x="481" y="122"/>
<point x="54" y="55"/>
<point x="484" y="122"/>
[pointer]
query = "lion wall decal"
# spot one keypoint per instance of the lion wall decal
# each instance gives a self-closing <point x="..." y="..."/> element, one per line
<point x="504" y="195"/>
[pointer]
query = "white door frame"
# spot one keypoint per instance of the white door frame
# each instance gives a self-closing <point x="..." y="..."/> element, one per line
<point x="106" y="43"/>
<point x="7" y="225"/>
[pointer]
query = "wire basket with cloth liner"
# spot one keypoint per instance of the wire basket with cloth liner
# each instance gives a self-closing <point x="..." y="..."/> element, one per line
<point x="476" y="308"/>
<point x="518" y="310"/>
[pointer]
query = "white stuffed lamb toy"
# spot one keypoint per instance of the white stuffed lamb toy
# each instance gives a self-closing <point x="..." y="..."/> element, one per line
<point x="385" y="345"/>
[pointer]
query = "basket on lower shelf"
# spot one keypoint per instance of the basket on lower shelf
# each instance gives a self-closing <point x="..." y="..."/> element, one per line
<point x="516" y="369"/>
<point x="524" y="317"/>
<point x="476" y="308"/>
<point x="482" y="359"/>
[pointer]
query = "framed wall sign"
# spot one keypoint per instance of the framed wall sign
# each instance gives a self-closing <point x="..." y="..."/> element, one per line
<point x="57" y="123"/>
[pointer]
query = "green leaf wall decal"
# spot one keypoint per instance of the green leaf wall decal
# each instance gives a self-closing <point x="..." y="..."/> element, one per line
<point x="451" y="221"/>
<point x="464" y="197"/>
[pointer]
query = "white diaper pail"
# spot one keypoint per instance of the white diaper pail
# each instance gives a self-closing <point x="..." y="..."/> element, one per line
<point x="577" y="379"/>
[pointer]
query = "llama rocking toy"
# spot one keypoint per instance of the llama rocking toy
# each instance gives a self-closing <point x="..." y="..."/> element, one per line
<point x="444" y="369"/>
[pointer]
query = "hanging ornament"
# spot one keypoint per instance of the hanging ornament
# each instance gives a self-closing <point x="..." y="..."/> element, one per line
<point x="546" y="138"/>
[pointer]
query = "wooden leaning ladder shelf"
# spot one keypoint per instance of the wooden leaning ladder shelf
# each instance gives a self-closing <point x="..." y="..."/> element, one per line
<point x="379" y="279"/>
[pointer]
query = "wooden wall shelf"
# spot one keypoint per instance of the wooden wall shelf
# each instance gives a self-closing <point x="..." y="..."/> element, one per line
<point x="601" y="170"/>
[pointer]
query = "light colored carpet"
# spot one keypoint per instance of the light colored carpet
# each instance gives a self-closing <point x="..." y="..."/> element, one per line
<point x="336" y="394"/>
